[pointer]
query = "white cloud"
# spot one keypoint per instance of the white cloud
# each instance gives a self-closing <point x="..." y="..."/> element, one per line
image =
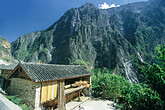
<point x="106" y="6"/>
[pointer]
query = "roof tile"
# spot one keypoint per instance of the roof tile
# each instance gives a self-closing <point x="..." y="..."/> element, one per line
<point x="46" y="72"/>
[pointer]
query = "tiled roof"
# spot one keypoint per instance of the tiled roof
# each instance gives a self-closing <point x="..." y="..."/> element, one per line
<point x="8" y="67"/>
<point x="46" y="72"/>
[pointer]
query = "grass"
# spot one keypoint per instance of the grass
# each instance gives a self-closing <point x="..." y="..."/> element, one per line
<point x="18" y="101"/>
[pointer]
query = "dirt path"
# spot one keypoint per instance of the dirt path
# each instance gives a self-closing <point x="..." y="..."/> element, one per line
<point x="96" y="104"/>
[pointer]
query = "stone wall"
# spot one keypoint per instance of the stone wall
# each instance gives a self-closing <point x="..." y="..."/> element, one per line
<point x="26" y="89"/>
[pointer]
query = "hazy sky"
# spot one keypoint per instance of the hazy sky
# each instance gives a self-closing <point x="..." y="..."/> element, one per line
<point x="20" y="17"/>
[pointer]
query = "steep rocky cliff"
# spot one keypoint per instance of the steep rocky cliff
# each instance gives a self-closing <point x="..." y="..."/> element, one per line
<point x="118" y="38"/>
<point x="5" y="52"/>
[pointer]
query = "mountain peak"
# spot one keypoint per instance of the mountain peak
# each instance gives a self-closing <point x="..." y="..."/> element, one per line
<point x="157" y="2"/>
<point x="1" y="38"/>
<point x="88" y="6"/>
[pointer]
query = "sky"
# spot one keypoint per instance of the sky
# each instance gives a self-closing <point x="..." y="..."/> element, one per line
<point x="20" y="17"/>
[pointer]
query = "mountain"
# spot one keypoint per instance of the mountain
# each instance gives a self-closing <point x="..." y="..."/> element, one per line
<point x="5" y="52"/>
<point x="120" y="38"/>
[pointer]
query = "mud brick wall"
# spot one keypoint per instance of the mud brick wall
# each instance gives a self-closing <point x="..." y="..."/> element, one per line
<point x="26" y="89"/>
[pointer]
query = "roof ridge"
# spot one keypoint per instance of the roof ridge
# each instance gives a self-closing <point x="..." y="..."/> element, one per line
<point x="46" y="72"/>
<point x="51" y="64"/>
<point x="24" y="67"/>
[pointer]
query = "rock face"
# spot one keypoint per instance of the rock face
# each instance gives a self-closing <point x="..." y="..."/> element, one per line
<point x="5" y="52"/>
<point x="117" y="38"/>
<point x="5" y="48"/>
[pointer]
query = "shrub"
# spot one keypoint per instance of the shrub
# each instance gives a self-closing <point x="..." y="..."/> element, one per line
<point x="25" y="107"/>
<point x="97" y="81"/>
<point x="96" y="88"/>
<point x="15" y="99"/>
<point x="130" y="96"/>
<point x="81" y="62"/>
<point x="155" y="73"/>
<point x="115" y="86"/>
<point x="142" y="98"/>
<point x="18" y="101"/>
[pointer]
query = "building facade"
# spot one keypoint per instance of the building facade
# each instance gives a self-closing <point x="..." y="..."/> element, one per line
<point x="49" y="85"/>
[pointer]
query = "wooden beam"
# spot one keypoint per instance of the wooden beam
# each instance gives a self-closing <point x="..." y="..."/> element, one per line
<point x="63" y="79"/>
<point x="12" y="71"/>
<point x="26" y="73"/>
<point x="18" y="67"/>
<point x="82" y="93"/>
<point x="61" y="95"/>
<point x="74" y="90"/>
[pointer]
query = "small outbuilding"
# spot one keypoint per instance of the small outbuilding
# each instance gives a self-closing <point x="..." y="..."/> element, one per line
<point x="49" y="85"/>
<point x="5" y="71"/>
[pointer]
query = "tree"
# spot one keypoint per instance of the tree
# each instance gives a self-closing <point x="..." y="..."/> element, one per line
<point x="155" y="73"/>
<point x="82" y="62"/>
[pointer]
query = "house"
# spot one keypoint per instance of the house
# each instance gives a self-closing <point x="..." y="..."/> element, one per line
<point x="49" y="84"/>
<point x="5" y="71"/>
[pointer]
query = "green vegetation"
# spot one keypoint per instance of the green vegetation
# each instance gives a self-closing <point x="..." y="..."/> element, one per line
<point x="155" y="73"/>
<point x="81" y="62"/>
<point x="134" y="96"/>
<point x="18" y="101"/>
<point x="129" y="96"/>
<point x="148" y="96"/>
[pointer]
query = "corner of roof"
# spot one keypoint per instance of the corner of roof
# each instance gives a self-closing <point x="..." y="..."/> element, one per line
<point x="21" y="62"/>
<point x="12" y="71"/>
